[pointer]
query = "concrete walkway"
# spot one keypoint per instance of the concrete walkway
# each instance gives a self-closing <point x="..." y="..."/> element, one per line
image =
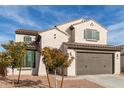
<point x="108" y="81"/>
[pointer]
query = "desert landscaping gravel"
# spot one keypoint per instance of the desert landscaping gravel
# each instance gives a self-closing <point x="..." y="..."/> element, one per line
<point x="41" y="82"/>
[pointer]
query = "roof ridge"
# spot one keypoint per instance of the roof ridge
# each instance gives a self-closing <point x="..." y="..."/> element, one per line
<point x="61" y="31"/>
<point x="59" y="25"/>
<point x="26" y="30"/>
<point x="69" y="21"/>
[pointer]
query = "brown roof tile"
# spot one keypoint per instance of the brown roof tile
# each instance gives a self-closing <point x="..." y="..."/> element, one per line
<point x="92" y="46"/>
<point x="26" y="32"/>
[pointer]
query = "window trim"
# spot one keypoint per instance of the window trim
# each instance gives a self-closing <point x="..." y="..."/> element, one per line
<point x="25" y="59"/>
<point x="25" y="68"/>
<point x="27" y="37"/>
<point x="94" y="35"/>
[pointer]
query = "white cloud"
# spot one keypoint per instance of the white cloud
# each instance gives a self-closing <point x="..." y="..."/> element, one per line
<point x="4" y="39"/>
<point x="116" y="26"/>
<point x="18" y="14"/>
<point x="116" y="33"/>
<point x="60" y="16"/>
<point x="8" y="28"/>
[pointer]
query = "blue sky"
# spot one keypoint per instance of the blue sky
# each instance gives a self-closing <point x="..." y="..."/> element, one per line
<point x="43" y="17"/>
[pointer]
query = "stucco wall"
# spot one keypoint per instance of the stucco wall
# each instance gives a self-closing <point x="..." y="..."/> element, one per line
<point x="65" y="26"/>
<point x="20" y="38"/>
<point x="71" y="70"/>
<point x="24" y="71"/>
<point x="37" y="62"/>
<point x="41" y="70"/>
<point x="79" y="33"/>
<point x="117" y="63"/>
<point x="48" y="39"/>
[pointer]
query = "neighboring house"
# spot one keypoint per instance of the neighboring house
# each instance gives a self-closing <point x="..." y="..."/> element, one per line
<point x="85" y="40"/>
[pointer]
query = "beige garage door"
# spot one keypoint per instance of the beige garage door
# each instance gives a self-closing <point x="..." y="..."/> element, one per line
<point x="94" y="63"/>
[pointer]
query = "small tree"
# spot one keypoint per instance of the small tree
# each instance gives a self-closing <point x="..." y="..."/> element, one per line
<point x="11" y="48"/>
<point x="66" y="63"/>
<point x="5" y="61"/>
<point x="60" y="60"/>
<point x="16" y="50"/>
<point x="47" y="60"/>
<point x="54" y="58"/>
<point x="21" y="47"/>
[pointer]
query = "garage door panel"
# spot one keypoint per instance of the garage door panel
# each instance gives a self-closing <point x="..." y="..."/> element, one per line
<point x="94" y="63"/>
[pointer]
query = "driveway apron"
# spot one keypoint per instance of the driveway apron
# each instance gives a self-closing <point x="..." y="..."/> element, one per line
<point x="108" y="81"/>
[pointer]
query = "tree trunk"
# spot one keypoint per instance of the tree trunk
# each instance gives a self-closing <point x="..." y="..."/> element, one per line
<point x="55" y="79"/>
<point x="5" y="75"/>
<point x="62" y="77"/>
<point x="47" y="72"/>
<point x="19" y="75"/>
<point x="13" y="76"/>
<point x="20" y="71"/>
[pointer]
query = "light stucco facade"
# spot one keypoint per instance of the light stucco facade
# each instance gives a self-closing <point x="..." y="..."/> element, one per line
<point x="55" y="37"/>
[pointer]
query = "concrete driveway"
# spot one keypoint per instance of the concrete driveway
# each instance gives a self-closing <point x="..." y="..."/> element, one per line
<point x="108" y="81"/>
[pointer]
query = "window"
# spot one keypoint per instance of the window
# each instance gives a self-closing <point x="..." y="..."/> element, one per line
<point x="91" y="34"/>
<point x="29" y="59"/>
<point x="54" y="36"/>
<point x="27" y="39"/>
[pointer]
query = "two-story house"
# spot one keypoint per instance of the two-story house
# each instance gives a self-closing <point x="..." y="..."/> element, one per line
<point x="85" y="40"/>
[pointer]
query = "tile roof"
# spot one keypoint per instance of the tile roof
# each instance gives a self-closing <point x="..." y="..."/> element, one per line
<point x="35" y="32"/>
<point x="31" y="46"/>
<point x="122" y="52"/>
<point x="92" y="46"/>
<point x="26" y="32"/>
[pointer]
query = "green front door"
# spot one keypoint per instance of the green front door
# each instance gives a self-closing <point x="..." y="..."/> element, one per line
<point x="29" y="60"/>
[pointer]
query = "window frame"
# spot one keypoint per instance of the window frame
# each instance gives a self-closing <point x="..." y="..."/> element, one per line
<point x="26" y="58"/>
<point x="95" y="35"/>
<point x="27" y="38"/>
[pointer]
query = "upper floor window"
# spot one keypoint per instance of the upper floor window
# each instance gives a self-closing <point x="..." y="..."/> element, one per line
<point x="27" y="39"/>
<point x="91" y="34"/>
<point x="54" y="36"/>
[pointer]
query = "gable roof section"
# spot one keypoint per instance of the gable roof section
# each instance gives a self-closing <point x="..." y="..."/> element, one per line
<point x="36" y="32"/>
<point x="43" y="31"/>
<point x="58" y="25"/>
<point x="71" y="21"/>
<point x="88" y="21"/>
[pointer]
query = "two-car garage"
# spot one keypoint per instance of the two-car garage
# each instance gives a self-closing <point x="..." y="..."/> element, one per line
<point x="89" y="63"/>
<point x="91" y="59"/>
